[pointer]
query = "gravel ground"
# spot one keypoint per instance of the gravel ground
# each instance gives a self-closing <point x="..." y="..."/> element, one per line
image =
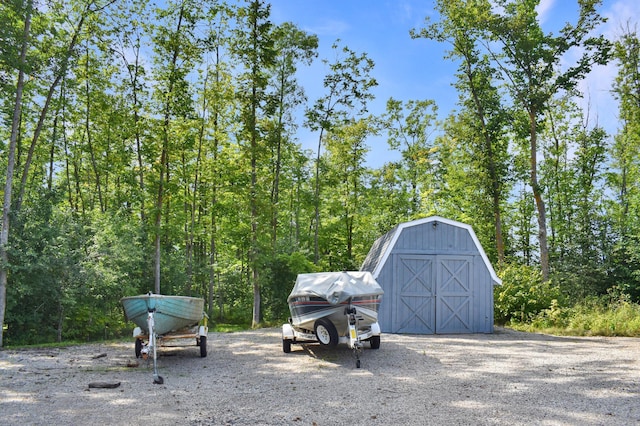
<point x="506" y="378"/>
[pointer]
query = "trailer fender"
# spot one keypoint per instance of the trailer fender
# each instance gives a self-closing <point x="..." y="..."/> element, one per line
<point x="203" y="331"/>
<point x="287" y="332"/>
<point x="375" y="329"/>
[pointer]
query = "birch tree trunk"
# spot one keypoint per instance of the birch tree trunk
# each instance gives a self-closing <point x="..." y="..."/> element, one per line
<point x="6" y="205"/>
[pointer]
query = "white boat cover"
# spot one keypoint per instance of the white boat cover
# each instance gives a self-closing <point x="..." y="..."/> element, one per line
<point x="336" y="287"/>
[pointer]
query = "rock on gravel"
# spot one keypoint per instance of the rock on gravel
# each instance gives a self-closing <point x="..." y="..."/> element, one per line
<point x="506" y="378"/>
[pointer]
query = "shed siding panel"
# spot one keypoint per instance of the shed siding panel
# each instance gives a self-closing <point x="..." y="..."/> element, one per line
<point x="443" y="239"/>
<point x="387" y="282"/>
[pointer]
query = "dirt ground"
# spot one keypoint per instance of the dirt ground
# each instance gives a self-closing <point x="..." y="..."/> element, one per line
<point x="506" y="378"/>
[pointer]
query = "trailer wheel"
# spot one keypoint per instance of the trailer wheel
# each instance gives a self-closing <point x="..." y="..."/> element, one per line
<point x="203" y="346"/>
<point x="138" y="348"/>
<point x="286" y="346"/>
<point x="375" y="342"/>
<point x="326" y="332"/>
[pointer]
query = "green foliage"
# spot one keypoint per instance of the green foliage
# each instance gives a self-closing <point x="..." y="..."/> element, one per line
<point x="177" y="126"/>
<point x="609" y="315"/>
<point x="229" y="328"/>
<point x="280" y="276"/>
<point x="69" y="274"/>
<point x="234" y="297"/>
<point x="523" y="294"/>
<point x="42" y="268"/>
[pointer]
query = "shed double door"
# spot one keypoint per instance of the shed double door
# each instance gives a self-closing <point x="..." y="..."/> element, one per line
<point x="433" y="294"/>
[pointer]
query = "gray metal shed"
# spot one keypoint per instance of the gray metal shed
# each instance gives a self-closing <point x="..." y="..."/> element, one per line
<point x="436" y="278"/>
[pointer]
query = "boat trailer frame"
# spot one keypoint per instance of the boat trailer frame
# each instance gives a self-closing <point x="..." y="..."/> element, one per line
<point x="354" y="338"/>
<point x="144" y="350"/>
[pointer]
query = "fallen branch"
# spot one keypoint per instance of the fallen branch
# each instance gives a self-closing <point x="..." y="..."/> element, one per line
<point x="104" y="385"/>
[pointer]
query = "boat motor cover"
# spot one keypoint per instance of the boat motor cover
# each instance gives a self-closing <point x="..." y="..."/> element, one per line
<point x="336" y="287"/>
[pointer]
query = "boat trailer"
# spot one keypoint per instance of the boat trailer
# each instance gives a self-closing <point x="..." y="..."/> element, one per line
<point x="354" y="338"/>
<point x="153" y="340"/>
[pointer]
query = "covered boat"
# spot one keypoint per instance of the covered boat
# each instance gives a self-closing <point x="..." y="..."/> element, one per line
<point x="334" y="307"/>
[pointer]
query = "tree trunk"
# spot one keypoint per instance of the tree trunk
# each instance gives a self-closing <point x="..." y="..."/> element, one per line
<point x="275" y="195"/>
<point x="537" y="195"/>
<point x="6" y="206"/>
<point x="36" y="135"/>
<point x="164" y="163"/>
<point x="316" y="254"/>
<point x="87" y="123"/>
<point x="253" y="152"/>
<point x="214" y="200"/>
<point x="493" y="174"/>
<point x="253" y="261"/>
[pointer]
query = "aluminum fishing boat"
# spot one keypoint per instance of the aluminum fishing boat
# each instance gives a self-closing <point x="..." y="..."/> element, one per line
<point x="160" y="318"/>
<point x="332" y="308"/>
<point x="171" y="313"/>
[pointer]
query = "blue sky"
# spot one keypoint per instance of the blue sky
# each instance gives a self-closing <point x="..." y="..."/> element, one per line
<point x="416" y="69"/>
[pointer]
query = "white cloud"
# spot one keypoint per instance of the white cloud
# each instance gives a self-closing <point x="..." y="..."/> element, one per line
<point x="620" y="14"/>
<point x="329" y="27"/>
<point x="598" y="101"/>
<point x="544" y="8"/>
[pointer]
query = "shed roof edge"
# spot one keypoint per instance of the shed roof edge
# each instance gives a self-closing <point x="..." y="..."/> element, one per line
<point x="494" y="277"/>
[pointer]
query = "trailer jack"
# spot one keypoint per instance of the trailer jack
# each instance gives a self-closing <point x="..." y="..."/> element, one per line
<point x="354" y="340"/>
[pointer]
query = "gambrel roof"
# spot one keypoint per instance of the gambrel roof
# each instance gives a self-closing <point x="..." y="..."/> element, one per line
<point x="383" y="246"/>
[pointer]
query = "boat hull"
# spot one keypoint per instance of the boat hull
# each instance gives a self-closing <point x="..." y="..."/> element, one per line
<point x="306" y="310"/>
<point x="171" y="313"/>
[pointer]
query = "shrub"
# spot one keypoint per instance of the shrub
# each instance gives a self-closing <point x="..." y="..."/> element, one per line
<point x="603" y="317"/>
<point x="609" y="315"/>
<point x="523" y="294"/>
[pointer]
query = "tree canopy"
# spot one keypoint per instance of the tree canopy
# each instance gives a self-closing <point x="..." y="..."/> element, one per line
<point x="156" y="149"/>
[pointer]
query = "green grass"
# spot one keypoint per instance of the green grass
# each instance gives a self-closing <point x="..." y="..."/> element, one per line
<point x="229" y="328"/>
<point x="589" y="318"/>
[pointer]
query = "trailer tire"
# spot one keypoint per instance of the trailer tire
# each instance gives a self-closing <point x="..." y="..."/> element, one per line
<point x="138" y="348"/>
<point x="203" y="346"/>
<point x="375" y="342"/>
<point x="326" y="332"/>
<point x="286" y="346"/>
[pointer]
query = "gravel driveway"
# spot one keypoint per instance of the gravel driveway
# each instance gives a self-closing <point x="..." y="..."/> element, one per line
<point x="506" y="378"/>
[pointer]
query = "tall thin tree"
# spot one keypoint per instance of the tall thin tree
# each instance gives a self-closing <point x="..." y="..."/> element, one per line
<point x="8" y="185"/>
<point x="255" y="50"/>
<point x="348" y="87"/>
